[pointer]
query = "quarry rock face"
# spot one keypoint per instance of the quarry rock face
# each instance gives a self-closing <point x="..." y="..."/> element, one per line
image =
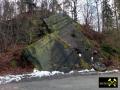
<point x="62" y="49"/>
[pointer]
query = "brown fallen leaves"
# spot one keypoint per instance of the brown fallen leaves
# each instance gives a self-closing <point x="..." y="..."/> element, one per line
<point x="11" y="62"/>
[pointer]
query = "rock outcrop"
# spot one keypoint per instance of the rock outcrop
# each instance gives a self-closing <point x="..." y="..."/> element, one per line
<point x="62" y="49"/>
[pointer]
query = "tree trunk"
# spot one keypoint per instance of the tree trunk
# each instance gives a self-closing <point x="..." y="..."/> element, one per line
<point x="116" y="16"/>
<point x="75" y="10"/>
<point x="98" y="17"/>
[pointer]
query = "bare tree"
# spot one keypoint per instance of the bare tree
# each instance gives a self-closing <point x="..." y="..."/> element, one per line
<point x="0" y="11"/>
<point x="88" y="13"/>
<point x="54" y="6"/>
<point x="21" y="6"/>
<point x="98" y="16"/>
<point x="116" y="15"/>
<point x="72" y="4"/>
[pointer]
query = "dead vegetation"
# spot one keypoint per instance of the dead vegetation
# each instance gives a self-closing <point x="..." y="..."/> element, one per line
<point x="11" y="63"/>
<point x="91" y="34"/>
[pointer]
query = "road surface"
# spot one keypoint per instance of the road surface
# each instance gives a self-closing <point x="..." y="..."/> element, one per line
<point x="84" y="82"/>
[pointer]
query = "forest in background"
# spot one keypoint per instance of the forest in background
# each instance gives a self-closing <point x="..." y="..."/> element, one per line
<point x="20" y="18"/>
<point x="101" y="13"/>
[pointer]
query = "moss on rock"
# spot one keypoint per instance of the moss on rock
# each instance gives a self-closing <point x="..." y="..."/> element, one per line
<point x="56" y="51"/>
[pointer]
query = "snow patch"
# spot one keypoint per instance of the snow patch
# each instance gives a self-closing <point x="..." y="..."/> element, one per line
<point x="71" y="72"/>
<point x="10" y="78"/>
<point x="115" y="70"/>
<point x="112" y="71"/>
<point x="56" y="73"/>
<point x="86" y="70"/>
<point x="40" y="74"/>
<point x="36" y="73"/>
<point x="92" y="70"/>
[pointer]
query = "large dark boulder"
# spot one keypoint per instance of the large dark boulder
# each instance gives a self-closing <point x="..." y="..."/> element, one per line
<point x="60" y="49"/>
<point x="51" y="53"/>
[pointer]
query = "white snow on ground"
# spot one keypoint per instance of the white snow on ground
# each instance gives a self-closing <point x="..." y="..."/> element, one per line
<point x="36" y="73"/>
<point x="113" y="71"/>
<point x="86" y="70"/>
<point x="71" y="72"/>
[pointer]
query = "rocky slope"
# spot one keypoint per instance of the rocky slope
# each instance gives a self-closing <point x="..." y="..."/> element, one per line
<point x="65" y="48"/>
<point x="59" y="43"/>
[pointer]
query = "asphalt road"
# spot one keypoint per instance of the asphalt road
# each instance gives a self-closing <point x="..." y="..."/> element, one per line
<point x="85" y="82"/>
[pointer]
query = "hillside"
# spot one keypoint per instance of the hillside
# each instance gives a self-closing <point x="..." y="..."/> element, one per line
<point x="56" y="43"/>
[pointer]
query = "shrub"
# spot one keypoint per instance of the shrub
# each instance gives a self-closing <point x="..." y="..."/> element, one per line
<point x="84" y="65"/>
<point x="108" y="49"/>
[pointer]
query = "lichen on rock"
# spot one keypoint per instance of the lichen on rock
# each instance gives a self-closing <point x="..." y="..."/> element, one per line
<point x="57" y="50"/>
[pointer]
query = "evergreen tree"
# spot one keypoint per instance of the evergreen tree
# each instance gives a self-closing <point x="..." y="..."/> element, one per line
<point x="107" y="15"/>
